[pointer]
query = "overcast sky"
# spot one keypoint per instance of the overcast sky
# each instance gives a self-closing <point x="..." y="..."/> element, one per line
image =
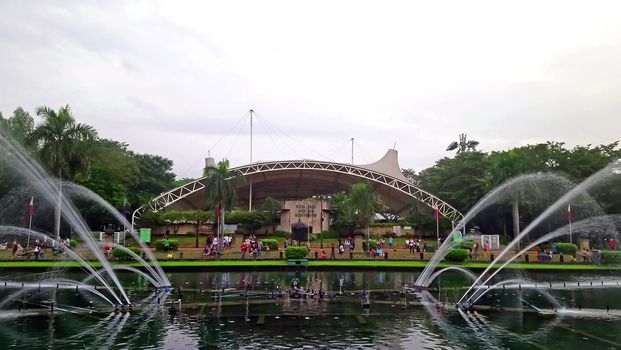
<point x="174" y="78"/>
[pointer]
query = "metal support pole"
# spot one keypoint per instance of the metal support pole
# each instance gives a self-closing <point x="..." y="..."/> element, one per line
<point x="250" y="182"/>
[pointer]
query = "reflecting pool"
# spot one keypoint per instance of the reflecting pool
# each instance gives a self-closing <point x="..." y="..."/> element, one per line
<point x="256" y="310"/>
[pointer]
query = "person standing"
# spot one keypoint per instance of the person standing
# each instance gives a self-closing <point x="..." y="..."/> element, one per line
<point x="332" y="253"/>
<point x="611" y="244"/>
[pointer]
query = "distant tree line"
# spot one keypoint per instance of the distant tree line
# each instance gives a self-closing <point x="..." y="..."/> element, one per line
<point x="468" y="176"/>
<point x="74" y="152"/>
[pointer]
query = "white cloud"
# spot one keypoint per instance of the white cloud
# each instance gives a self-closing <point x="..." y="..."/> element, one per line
<point x="171" y="78"/>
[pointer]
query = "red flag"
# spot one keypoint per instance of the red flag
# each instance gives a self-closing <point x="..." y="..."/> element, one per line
<point x="31" y="207"/>
<point x="569" y="212"/>
<point x="436" y="213"/>
<point x="218" y="212"/>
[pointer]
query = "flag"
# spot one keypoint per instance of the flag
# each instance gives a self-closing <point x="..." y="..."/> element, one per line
<point x="569" y="212"/>
<point x="31" y="208"/>
<point x="218" y="211"/>
<point x="436" y="214"/>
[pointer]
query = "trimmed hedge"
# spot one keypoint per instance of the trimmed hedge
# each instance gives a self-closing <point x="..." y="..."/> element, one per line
<point x="272" y="243"/>
<point x="457" y="255"/>
<point x="120" y="254"/>
<point x="296" y="252"/>
<point x="610" y="257"/>
<point x="73" y="243"/>
<point x="284" y="234"/>
<point x="161" y="244"/>
<point x="566" y="248"/>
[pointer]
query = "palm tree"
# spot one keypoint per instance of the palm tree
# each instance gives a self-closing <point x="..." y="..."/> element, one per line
<point x="221" y="189"/>
<point x="365" y="202"/>
<point x="272" y="207"/>
<point x="60" y="142"/>
<point x="463" y="145"/>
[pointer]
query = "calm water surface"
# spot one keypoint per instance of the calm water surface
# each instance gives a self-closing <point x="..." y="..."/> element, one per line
<point x="255" y="321"/>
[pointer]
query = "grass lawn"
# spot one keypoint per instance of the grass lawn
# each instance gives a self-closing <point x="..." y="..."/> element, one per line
<point x="321" y="263"/>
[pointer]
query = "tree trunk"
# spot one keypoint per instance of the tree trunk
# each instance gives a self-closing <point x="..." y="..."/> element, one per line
<point x="57" y="209"/>
<point x="516" y="219"/>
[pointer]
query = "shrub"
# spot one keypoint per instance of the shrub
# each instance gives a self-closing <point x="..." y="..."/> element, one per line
<point x="457" y="255"/>
<point x="120" y="254"/>
<point x="296" y="252"/>
<point x="284" y="234"/>
<point x="431" y="249"/>
<point x="272" y="243"/>
<point x="330" y="234"/>
<point x="609" y="257"/>
<point x="73" y="243"/>
<point x="567" y="248"/>
<point x="162" y="244"/>
<point x="467" y="245"/>
<point x="372" y="244"/>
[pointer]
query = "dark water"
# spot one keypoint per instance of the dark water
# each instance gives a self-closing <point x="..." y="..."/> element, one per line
<point x="256" y="321"/>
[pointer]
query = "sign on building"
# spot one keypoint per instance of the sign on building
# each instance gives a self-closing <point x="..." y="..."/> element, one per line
<point x="230" y="229"/>
<point x="145" y="235"/>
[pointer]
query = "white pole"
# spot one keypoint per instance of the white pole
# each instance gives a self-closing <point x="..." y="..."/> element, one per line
<point x="437" y="228"/>
<point x="570" y="240"/>
<point x="250" y="187"/>
<point x="352" y="151"/>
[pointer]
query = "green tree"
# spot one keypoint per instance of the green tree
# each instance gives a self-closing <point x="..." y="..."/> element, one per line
<point x="272" y="208"/>
<point x="221" y="188"/>
<point x="113" y="174"/>
<point x="60" y="142"/>
<point x="154" y="177"/>
<point x="18" y="126"/>
<point x="365" y="204"/>
<point x="343" y="216"/>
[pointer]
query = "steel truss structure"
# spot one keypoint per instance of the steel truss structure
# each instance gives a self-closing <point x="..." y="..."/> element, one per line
<point x="167" y="198"/>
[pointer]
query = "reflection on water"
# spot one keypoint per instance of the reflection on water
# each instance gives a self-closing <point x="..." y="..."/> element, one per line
<point x="237" y="310"/>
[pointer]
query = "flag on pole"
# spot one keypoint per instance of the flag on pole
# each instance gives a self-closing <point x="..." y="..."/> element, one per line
<point x="218" y="211"/>
<point x="569" y="212"/>
<point x="436" y="214"/>
<point x="31" y="208"/>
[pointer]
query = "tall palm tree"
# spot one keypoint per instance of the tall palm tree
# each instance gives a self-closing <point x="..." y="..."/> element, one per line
<point x="221" y="189"/>
<point x="60" y="142"/>
<point x="272" y="207"/>
<point x="365" y="202"/>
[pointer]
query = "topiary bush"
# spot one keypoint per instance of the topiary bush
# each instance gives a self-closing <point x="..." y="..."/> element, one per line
<point x="73" y="243"/>
<point x="272" y="243"/>
<point x="120" y="254"/>
<point x="296" y="252"/>
<point x="162" y="245"/>
<point x="567" y="248"/>
<point x="457" y="255"/>
<point x="609" y="257"/>
<point x="372" y="245"/>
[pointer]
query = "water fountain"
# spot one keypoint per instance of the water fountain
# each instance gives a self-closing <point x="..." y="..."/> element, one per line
<point x="44" y="188"/>
<point x="97" y="290"/>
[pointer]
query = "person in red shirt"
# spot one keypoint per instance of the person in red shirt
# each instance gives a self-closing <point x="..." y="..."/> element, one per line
<point x="611" y="244"/>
